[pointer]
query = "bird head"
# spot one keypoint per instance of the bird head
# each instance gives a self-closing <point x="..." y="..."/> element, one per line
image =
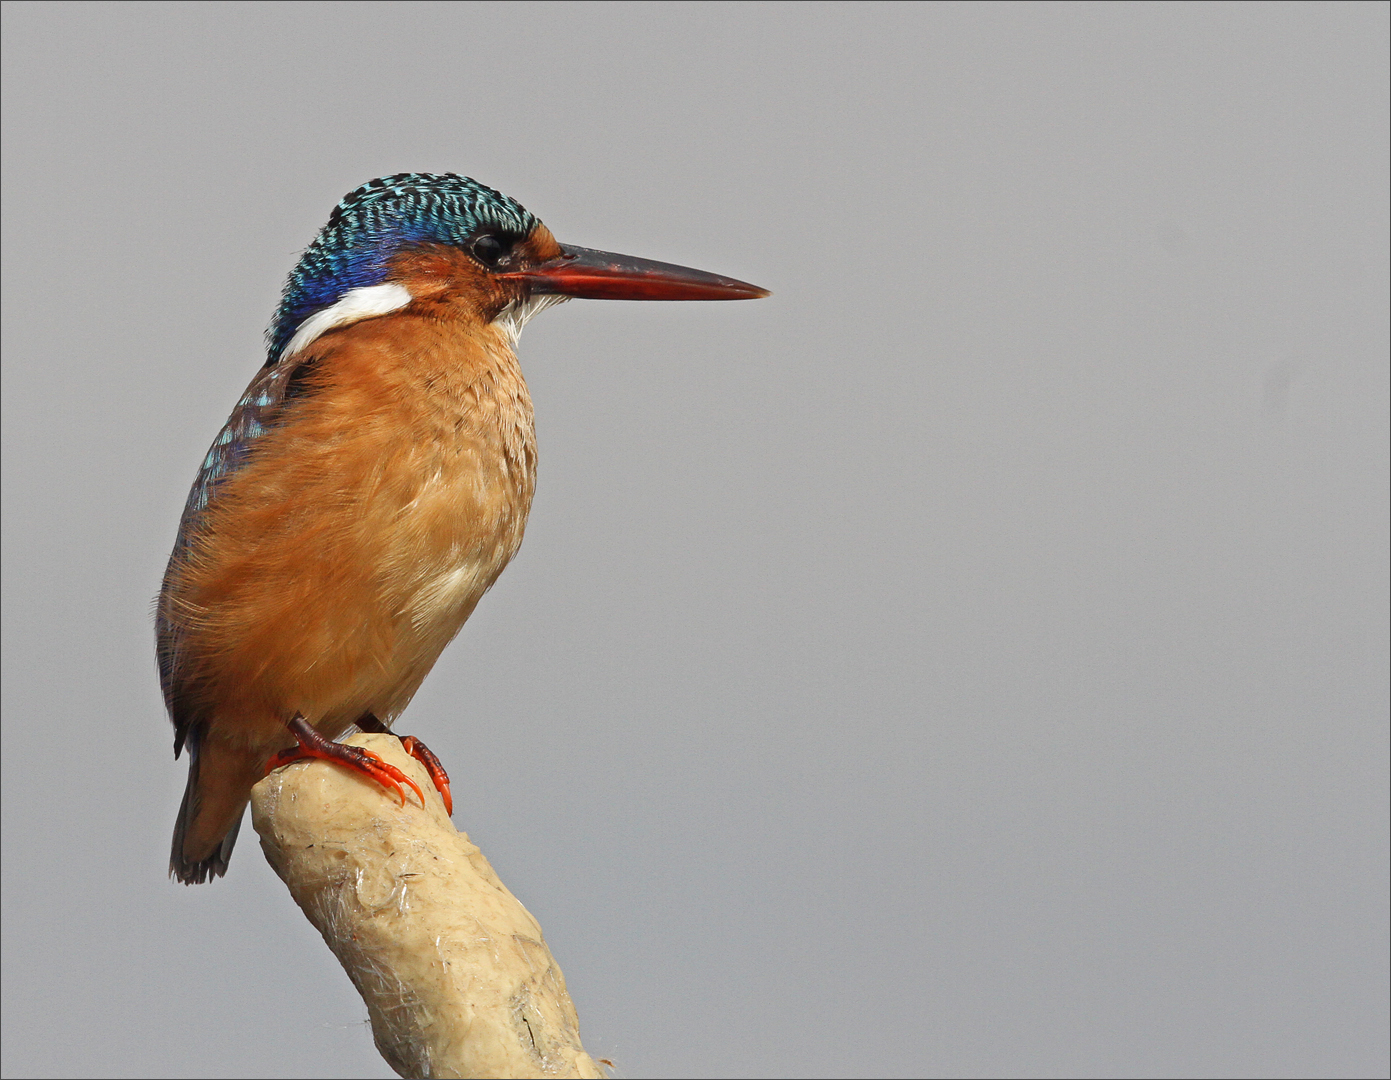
<point x="448" y="239"/>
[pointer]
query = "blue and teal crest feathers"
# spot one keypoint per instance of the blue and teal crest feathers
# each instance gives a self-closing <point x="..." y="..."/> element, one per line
<point x="375" y="222"/>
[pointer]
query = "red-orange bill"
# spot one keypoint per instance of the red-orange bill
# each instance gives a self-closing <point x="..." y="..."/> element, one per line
<point x="602" y="275"/>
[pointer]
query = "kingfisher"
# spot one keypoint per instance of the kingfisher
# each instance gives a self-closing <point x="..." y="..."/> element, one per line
<point x="369" y="487"/>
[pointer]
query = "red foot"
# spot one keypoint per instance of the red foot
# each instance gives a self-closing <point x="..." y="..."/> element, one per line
<point x="418" y="750"/>
<point x="314" y="746"/>
<point x="423" y="754"/>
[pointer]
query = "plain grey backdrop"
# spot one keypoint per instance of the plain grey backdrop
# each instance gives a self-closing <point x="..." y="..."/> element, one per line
<point x="970" y="661"/>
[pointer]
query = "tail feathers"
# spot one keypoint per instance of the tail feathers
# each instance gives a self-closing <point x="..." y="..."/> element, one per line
<point x="211" y="813"/>
<point x="195" y="872"/>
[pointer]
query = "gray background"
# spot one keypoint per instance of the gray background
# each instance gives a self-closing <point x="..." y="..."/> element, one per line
<point x="968" y="662"/>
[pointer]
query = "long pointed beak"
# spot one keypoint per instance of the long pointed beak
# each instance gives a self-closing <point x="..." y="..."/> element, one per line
<point x="602" y="275"/>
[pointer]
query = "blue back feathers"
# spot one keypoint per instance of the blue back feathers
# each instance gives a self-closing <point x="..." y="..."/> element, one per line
<point x="375" y="222"/>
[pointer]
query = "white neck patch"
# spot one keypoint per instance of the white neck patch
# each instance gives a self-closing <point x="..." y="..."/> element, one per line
<point x="516" y="314"/>
<point x="353" y="306"/>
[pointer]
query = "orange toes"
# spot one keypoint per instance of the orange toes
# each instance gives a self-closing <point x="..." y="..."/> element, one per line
<point x="385" y="773"/>
<point x="316" y="747"/>
<point x="423" y="754"/>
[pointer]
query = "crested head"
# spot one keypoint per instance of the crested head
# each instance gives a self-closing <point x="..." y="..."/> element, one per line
<point x="374" y="224"/>
<point x="443" y="239"/>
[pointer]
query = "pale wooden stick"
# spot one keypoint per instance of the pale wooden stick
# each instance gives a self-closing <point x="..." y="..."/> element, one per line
<point x="455" y="973"/>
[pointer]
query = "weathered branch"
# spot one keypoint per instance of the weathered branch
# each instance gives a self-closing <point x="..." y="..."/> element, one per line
<point x="457" y="978"/>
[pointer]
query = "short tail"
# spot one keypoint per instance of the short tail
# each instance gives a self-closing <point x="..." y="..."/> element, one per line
<point x="211" y="813"/>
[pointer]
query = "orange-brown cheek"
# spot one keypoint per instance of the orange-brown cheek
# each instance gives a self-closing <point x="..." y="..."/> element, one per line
<point x="541" y="246"/>
<point x="440" y="273"/>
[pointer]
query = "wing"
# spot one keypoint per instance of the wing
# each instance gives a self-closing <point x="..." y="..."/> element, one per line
<point x="257" y="412"/>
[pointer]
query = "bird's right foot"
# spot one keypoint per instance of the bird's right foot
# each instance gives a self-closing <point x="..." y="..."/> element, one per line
<point x="314" y="746"/>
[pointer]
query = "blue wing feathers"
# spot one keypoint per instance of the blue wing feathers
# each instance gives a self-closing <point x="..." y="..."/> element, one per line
<point x="252" y="418"/>
<point x="256" y="413"/>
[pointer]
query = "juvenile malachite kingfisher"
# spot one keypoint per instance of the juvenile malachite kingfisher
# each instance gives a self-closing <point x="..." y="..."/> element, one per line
<point x="368" y="489"/>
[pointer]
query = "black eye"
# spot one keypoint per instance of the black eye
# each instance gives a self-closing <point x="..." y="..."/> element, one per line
<point x="490" y="250"/>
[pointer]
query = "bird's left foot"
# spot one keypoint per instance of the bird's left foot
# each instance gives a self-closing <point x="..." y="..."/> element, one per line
<point x="418" y="750"/>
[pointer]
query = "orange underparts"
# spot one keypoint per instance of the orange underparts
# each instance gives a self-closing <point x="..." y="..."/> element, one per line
<point x="313" y="746"/>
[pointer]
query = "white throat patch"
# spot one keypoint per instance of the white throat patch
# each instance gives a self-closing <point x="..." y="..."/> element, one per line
<point x="353" y="306"/>
<point x="516" y="314"/>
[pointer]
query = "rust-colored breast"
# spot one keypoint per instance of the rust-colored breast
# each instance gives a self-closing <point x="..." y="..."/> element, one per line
<point x="332" y="569"/>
